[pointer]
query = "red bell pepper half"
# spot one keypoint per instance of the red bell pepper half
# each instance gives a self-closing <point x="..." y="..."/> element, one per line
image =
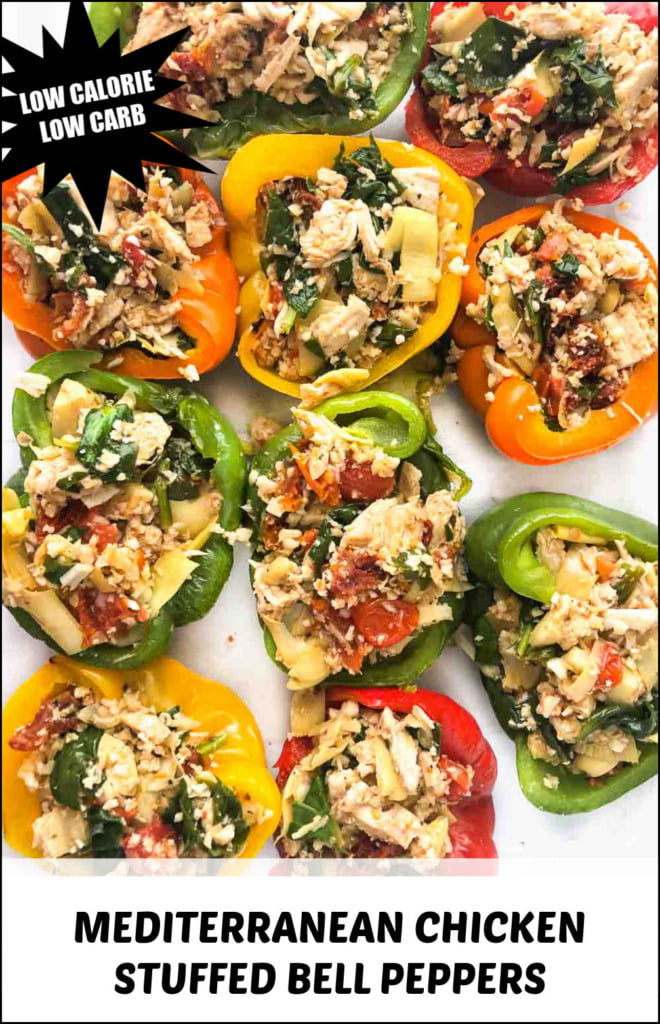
<point x="461" y="740"/>
<point x="478" y="159"/>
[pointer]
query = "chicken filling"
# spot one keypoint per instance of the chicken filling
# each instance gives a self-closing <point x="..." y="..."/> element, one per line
<point x="582" y="672"/>
<point x="352" y="260"/>
<point x="566" y="88"/>
<point x="117" y="778"/>
<point x="334" y="54"/>
<point x="355" y="557"/>
<point x="119" y="286"/>
<point x="372" y="784"/>
<point x="119" y="506"/>
<point x="574" y="312"/>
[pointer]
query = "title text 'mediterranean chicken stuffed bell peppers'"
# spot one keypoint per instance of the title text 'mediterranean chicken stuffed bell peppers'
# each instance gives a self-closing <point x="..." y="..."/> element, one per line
<point x="558" y="320"/>
<point x="357" y="568"/>
<point x="156" y="762"/>
<point x="114" y="532"/>
<point x="385" y="773"/>
<point x="352" y="250"/>
<point x="154" y="291"/>
<point x="252" y="68"/>
<point x="565" y="631"/>
<point x="542" y="97"/>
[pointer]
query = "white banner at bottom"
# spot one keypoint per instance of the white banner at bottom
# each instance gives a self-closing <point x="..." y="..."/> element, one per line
<point x="269" y="941"/>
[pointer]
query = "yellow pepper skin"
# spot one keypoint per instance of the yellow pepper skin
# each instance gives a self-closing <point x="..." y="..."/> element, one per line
<point x="272" y="157"/>
<point x="240" y="762"/>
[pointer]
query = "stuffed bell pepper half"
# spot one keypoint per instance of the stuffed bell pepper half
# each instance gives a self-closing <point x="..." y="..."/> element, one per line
<point x="542" y="97"/>
<point x="255" y="68"/>
<point x="565" y="632"/>
<point x="156" y="762"/>
<point x="559" y="323"/>
<point x="115" y="529"/>
<point x="352" y="250"/>
<point x="153" y="290"/>
<point x="385" y="773"/>
<point x="357" y="569"/>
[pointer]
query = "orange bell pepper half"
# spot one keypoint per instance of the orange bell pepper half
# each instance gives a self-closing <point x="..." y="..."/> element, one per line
<point x="240" y="762"/>
<point x="273" y="157"/>
<point x="208" y="317"/>
<point x="514" y="420"/>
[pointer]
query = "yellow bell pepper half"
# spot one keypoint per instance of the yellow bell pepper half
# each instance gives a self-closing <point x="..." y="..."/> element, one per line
<point x="272" y="157"/>
<point x="240" y="762"/>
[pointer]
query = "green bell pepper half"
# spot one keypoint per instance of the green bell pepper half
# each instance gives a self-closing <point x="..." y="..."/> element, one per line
<point x="256" y="113"/>
<point x="499" y="546"/>
<point x="211" y="434"/>
<point x="398" y="426"/>
<point x="499" y="551"/>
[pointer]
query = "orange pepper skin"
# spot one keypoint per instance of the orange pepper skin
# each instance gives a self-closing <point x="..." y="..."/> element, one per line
<point x="209" y="318"/>
<point x="514" y="420"/>
<point x="240" y="762"/>
<point x="272" y="157"/>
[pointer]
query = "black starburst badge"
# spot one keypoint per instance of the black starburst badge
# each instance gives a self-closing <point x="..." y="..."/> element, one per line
<point x="86" y="110"/>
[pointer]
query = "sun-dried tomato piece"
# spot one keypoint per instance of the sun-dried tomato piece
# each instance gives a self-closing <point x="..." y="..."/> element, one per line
<point x="55" y="717"/>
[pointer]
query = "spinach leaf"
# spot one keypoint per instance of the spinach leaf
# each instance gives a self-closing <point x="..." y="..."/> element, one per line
<point x="105" y="832"/>
<point x="533" y="312"/>
<point x="316" y="805"/>
<point x="639" y="721"/>
<point x="539" y="238"/>
<point x="72" y="268"/>
<point x="27" y="243"/>
<point x="547" y="731"/>
<point x="629" y="579"/>
<point x="71" y="484"/>
<point x="301" y="290"/>
<point x="493" y="54"/>
<point x="96" y="439"/>
<point x="279" y="228"/>
<point x="478" y="602"/>
<point x="592" y="74"/>
<point x="417" y="572"/>
<point x="344" y="272"/>
<point x="97" y="260"/>
<point x="182" y="458"/>
<point x="72" y="764"/>
<point x="568" y="266"/>
<point x="103" y="264"/>
<point x="227" y="807"/>
<point x="375" y="189"/>
<point x="439" y="80"/>
<point x="187" y="827"/>
<point x="55" y="569"/>
<point x="339" y="517"/>
<point x="389" y="332"/>
<point x="579" y="176"/>
<point x="488" y="315"/>
<point x="346" y="83"/>
<point x="71" y="218"/>
<point x="19" y="236"/>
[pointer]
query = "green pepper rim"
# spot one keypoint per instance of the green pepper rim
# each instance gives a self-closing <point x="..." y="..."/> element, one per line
<point x="214" y="437"/>
<point x="427" y="646"/>
<point x="270" y="117"/>
<point x="499" y="552"/>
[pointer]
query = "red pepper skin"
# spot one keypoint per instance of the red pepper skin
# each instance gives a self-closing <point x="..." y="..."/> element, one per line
<point x="294" y="750"/>
<point x="477" y="158"/>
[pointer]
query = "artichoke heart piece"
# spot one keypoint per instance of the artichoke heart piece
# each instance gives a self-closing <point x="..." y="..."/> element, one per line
<point x="170" y="572"/>
<point x="414" y="233"/>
